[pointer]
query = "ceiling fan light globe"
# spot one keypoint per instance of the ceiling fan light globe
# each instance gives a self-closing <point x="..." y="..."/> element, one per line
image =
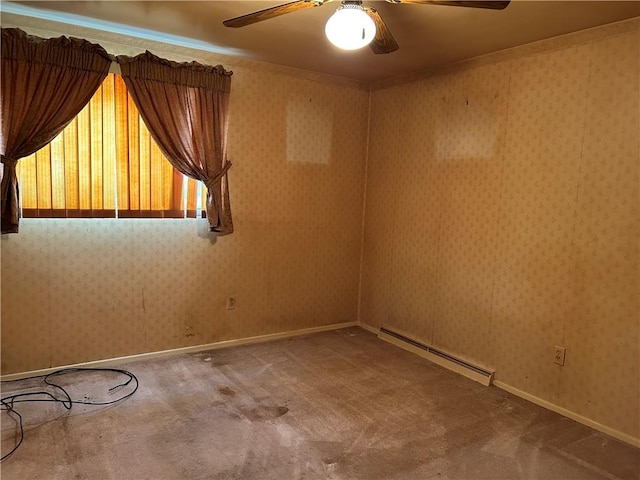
<point x="350" y="28"/>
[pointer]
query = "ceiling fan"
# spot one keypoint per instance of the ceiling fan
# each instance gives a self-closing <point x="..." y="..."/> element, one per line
<point x="355" y="25"/>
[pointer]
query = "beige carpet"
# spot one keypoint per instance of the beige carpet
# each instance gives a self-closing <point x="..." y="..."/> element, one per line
<point x="334" y="405"/>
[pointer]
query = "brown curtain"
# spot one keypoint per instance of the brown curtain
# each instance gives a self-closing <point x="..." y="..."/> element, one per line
<point x="44" y="84"/>
<point x="185" y="106"/>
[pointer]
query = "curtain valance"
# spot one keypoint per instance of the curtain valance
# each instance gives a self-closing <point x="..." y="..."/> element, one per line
<point x="62" y="51"/>
<point x="191" y="74"/>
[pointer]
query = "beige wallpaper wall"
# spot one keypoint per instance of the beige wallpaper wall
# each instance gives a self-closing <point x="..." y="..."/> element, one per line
<point x="78" y="290"/>
<point x="502" y="218"/>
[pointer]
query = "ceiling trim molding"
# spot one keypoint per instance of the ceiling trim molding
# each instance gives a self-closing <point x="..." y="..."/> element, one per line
<point x="555" y="43"/>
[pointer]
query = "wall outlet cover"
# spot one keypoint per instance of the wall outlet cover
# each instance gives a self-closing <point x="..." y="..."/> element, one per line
<point x="559" y="354"/>
<point x="231" y="303"/>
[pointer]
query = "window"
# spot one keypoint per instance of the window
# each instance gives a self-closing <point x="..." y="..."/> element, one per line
<point x="105" y="164"/>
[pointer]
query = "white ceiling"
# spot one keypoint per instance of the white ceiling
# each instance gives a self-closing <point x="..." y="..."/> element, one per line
<point x="428" y="35"/>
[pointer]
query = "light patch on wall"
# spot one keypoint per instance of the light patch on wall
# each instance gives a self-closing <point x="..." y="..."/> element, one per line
<point x="309" y="129"/>
<point x="469" y="129"/>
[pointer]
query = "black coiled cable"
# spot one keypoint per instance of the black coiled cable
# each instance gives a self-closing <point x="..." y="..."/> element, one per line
<point x="8" y="403"/>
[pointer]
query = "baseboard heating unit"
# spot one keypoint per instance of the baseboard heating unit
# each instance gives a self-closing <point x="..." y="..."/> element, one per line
<point x="435" y="355"/>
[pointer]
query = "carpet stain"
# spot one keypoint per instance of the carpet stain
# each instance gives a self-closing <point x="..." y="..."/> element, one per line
<point x="262" y="413"/>
<point x="226" y="391"/>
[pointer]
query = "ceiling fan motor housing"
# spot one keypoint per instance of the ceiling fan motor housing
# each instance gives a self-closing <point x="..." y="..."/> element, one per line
<point x="350" y="27"/>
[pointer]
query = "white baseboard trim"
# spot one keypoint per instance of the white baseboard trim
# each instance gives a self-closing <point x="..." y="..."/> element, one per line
<point x="369" y="328"/>
<point x="108" y="362"/>
<point x="293" y="333"/>
<point x="569" y="414"/>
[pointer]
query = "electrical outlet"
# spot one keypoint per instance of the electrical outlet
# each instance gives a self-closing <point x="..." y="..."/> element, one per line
<point x="558" y="356"/>
<point x="231" y="303"/>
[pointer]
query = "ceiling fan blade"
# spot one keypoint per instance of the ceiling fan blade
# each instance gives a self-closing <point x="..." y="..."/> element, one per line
<point x="493" y="5"/>
<point x="383" y="42"/>
<point x="272" y="12"/>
